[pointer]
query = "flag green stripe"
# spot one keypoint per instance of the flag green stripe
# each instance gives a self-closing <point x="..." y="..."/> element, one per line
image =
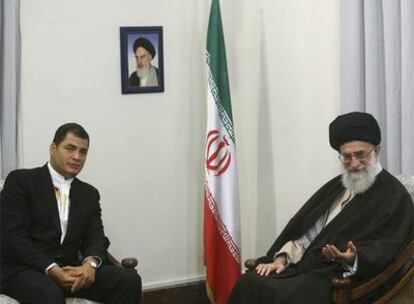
<point x="225" y="119"/>
<point x="216" y="60"/>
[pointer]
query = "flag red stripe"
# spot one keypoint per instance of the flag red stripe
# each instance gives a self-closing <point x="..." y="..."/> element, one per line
<point x="222" y="268"/>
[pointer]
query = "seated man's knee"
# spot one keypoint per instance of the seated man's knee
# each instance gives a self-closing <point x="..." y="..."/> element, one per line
<point x="129" y="286"/>
<point x="32" y="287"/>
<point x="132" y="279"/>
<point x="49" y="292"/>
<point x="54" y="296"/>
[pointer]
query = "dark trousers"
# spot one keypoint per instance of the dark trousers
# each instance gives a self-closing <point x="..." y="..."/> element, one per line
<point x="301" y="288"/>
<point x="112" y="285"/>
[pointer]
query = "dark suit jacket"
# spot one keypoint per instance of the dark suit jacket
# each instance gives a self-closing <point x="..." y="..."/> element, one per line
<point x="30" y="225"/>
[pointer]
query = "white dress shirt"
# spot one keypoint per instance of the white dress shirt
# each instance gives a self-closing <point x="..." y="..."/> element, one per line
<point x="62" y="190"/>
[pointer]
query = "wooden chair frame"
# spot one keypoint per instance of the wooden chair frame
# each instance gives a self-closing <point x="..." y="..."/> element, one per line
<point x="403" y="267"/>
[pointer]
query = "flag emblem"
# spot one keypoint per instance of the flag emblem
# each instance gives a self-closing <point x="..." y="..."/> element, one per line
<point x="218" y="156"/>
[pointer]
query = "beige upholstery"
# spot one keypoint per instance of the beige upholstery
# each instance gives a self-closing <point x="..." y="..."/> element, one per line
<point x="7" y="300"/>
<point x="408" y="182"/>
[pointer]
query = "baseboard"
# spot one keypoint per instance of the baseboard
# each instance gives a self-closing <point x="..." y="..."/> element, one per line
<point x="172" y="283"/>
<point x="188" y="291"/>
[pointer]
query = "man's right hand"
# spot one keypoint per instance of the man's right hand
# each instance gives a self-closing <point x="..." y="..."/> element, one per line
<point x="64" y="279"/>
<point x="278" y="265"/>
<point x="332" y="253"/>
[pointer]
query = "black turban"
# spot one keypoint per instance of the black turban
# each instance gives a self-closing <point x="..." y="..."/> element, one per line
<point x="146" y="44"/>
<point x="354" y="126"/>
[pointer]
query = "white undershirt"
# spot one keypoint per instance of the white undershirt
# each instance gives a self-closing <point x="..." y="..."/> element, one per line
<point x="62" y="190"/>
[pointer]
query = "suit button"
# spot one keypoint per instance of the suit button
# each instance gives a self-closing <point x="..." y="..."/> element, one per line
<point x="59" y="256"/>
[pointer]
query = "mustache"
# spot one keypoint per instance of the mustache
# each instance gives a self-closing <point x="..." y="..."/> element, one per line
<point x="358" y="181"/>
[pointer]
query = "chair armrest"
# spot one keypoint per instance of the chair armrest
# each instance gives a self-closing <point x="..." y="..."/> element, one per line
<point x="341" y="282"/>
<point x="125" y="263"/>
<point x="342" y="292"/>
<point x="250" y="264"/>
<point x="129" y="262"/>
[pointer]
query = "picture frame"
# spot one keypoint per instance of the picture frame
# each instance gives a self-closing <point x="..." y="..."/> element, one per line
<point x="142" y="59"/>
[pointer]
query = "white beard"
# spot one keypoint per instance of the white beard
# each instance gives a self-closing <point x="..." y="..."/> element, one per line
<point x="148" y="76"/>
<point x="360" y="181"/>
<point x="143" y="72"/>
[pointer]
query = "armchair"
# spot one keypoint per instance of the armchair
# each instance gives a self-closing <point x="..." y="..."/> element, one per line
<point x="125" y="263"/>
<point x="395" y="283"/>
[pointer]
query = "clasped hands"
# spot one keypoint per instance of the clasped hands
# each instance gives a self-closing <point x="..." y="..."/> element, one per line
<point x="331" y="252"/>
<point x="73" y="278"/>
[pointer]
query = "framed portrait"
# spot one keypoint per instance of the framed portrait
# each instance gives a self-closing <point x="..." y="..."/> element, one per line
<point x="142" y="62"/>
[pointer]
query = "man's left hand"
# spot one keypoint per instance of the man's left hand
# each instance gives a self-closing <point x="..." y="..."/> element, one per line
<point x="85" y="276"/>
<point x="333" y="253"/>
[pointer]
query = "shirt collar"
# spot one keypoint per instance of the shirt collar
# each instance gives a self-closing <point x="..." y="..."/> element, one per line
<point x="58" y="179"/>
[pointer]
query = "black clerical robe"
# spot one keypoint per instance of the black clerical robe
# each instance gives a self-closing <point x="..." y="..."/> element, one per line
<point x="378" y="221"/>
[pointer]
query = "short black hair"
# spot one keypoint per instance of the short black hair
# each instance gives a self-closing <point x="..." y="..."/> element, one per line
<point x="70" y="127"/>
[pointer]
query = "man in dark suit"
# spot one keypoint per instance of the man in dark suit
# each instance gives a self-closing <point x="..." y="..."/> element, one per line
<point x="49" y="218"/>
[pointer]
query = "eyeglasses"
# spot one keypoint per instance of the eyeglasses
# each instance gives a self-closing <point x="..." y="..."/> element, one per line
<point x="360" y="155"/>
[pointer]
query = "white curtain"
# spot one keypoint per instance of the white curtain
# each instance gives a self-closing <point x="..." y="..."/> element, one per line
<point x="10" y="85"/>
<point x="377" y="72"/>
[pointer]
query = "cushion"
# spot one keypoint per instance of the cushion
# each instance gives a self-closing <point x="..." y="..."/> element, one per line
<point x="408" y="182"/>
<point x="7" y="300"/>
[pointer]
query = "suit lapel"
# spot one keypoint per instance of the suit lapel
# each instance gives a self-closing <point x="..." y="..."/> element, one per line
<point x="46" y="185"/>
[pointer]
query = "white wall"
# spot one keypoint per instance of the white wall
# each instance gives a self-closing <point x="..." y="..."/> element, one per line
<point x="284" y="74"/>
<point x="146" y="154"/>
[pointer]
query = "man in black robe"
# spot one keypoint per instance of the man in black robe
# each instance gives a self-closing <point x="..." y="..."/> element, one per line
<point x="353" y="226"/>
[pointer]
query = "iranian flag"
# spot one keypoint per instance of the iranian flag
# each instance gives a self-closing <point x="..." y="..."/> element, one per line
<point x="221" y="199"/>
